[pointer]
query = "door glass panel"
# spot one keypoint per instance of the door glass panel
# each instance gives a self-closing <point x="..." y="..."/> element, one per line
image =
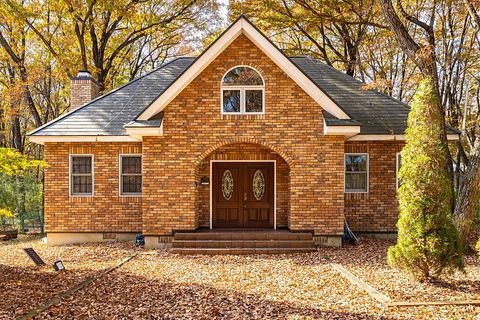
<point x="227" y="185"/>
<point x="258" y="185"/>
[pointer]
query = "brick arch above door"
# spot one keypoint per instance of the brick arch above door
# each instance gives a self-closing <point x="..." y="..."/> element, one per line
<point x="225" y="143"/>
<point x="244" y="151"/>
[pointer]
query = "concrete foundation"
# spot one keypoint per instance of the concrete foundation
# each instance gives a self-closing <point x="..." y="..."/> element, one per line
<point x="57" y="239"/>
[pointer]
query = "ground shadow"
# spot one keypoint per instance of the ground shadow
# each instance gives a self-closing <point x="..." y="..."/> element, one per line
<point x="126" y="296"/>
<point x="22" y="288"/>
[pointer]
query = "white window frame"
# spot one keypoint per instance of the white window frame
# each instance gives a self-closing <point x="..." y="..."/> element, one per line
<point x="397" y="170"/>
<point x="242" y="90"/>
<point x="120" y="175"/>
<point x="345" y="172"/>
<point x="70" y="175"/>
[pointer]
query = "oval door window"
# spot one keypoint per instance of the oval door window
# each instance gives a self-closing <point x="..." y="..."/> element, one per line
<point x="258" y="185"/>
<point x="227" y="184"/>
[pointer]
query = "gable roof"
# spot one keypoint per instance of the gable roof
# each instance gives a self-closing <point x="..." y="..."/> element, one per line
<point x="242" y="26"/>
<point x="138" y="104"/>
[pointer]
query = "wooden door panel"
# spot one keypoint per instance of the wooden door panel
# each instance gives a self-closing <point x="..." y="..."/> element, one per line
<point x="259" y="204"/>
<point x="250" y="203"/>
<point x="226" y="208"/>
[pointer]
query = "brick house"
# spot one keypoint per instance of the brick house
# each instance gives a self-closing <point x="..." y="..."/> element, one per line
<point x="241" y="136"/>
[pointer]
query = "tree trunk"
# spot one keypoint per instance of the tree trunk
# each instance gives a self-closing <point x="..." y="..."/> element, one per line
<point x="17" y="140"/>
<point x="426" y="60"/>
<point x="469" y="194"/>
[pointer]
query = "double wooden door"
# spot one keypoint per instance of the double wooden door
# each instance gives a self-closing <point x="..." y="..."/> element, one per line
<point x="242" y="194"/>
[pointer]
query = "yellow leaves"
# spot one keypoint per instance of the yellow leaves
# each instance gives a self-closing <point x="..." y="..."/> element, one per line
<point x="4" y="213"/>
<point x="380" y="84"/>
<point x="13" y="162"/>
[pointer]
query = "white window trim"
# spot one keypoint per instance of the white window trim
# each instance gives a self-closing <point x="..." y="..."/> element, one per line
<point x="242" y="90"/>
<point x="70" y="180"/>
<point x="397" y="167"/>
<point x="120" y="175"/>
<point x="345" y="172"/>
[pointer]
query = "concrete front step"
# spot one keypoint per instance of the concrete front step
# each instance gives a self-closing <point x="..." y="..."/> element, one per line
<point x="243" y="244"/>
<point x="220" y="251"/>
<point x="243" y="236"/>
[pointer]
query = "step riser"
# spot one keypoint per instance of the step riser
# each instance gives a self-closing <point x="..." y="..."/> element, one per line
<point x="243" y="236"/>
<point x="241" y="244"/>
<point x="240" y="251"/>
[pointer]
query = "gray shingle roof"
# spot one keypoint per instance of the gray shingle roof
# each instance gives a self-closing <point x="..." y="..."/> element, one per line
<point x="377" y="113"/>
<point x="107" y="114"/>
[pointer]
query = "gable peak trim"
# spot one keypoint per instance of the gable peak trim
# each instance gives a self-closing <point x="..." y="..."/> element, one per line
<point x="242" y="26"/>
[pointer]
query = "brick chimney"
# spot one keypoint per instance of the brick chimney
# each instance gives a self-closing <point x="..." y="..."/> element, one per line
<point x="83" y="88"/>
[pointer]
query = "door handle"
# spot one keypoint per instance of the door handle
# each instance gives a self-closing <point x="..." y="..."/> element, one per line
<point x="245" y="206"/>
<point x="245" y="196"/>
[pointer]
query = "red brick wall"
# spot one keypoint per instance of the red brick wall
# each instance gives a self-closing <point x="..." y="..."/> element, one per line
<point x="245" y="151"/>
<point x="292" y="127"/>
<point x="377" y="210"/>
<point x="106" y="210"/>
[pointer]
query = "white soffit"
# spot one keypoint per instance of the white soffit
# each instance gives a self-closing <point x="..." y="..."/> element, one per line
<point x="387" y="137"/>
<point x="340" y="130"/>
<point x="44" y="139"/>
<point x="243" y="26"/>
<point x="138" y="133"/>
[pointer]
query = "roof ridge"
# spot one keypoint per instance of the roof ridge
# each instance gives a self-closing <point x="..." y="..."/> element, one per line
<point x="46" y="125"/>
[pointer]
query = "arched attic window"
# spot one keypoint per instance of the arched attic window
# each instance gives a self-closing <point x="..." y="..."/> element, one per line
<point x="243" y="91"/>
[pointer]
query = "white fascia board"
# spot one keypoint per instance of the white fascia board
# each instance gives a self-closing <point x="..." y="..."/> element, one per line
<point x="340" y="130"/>
<point x="44" y="139"/>
<point x="292" y="71"/>
<point x="392" y="137"/>
<point x="139" y="133"/>
<point x="243" y="26"/>
<point x="193" y="71"/>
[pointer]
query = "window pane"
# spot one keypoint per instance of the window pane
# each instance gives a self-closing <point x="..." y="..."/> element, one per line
<point x="231" y="100"/>
<point x="132" y="184"/>
<point x="131" y="165"/>
<point x="82" y="165"/>
<point x="253" y="100"/>
<point x="81" y="185"/>
<point x="242" y="76"/>
<point x="356" y="182"/>
<point x="356" y="163"/>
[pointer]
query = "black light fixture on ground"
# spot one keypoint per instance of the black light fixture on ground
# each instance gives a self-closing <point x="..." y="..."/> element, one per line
<point x="58" y="265"/>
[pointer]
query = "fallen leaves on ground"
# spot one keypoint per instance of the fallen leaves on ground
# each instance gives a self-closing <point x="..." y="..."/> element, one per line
<point x="25" y="286"/>
<point x="293" y="286"/>
<point x="367" y="261"/>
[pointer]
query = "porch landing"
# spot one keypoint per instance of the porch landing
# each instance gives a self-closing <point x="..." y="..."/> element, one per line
<point x="242" y="241"/>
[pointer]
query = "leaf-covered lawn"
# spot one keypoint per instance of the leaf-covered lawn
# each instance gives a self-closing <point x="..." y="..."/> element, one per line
<point x="160" y="285"/>
<point x="24" y="286"/>
<point x="368" y="262"/>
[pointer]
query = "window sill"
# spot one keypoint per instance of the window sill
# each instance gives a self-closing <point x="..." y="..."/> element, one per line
<point x="233" y="116"/>
<point x="347" y="192"/>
